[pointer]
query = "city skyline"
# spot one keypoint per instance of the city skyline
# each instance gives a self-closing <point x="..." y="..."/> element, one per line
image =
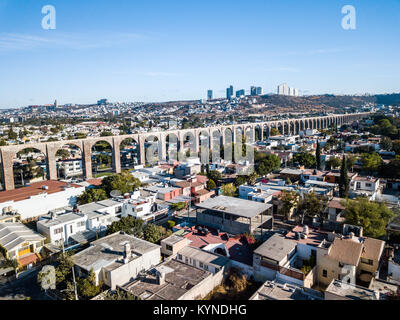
<point x="166" y="52"/>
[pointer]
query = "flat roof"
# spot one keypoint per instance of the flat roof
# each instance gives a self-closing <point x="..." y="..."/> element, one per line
<point x="272" y="290"/>
<point x="276" y="247"/>
<point x="350" y="291"/>
<point x="204" y="256"/>
<point x="234" y="206"/>
<point x="171" y="240"/>
<point x="48" y="221"/>
<point x="108" y="250"/>
<point x="178" y="282"/>
<point x="35" y="189"/>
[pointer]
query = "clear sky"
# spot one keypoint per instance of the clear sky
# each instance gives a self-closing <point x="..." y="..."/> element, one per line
<point x="159" y="50"/>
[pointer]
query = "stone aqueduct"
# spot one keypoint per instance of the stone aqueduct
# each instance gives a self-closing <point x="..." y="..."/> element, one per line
<point x="49" y="149"/>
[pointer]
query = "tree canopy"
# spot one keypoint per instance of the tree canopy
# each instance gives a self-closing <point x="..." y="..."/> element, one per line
<point x="372" y="216"/>
<point x="270" y="163"/>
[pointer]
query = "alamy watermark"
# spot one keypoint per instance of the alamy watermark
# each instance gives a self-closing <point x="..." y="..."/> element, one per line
<point x="49" y="20"/>
<point x="349" y="21"/>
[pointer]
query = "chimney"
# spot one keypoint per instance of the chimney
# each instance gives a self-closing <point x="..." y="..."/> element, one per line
<point x="127" y="252"/>
<point x="127" y="196"/>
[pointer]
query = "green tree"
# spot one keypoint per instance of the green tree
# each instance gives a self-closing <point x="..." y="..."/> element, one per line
<point x="214" y="175"/>
<point x="371" y="162"/>
<point x="333" y="163"/>
<point x="106" y="133"/>
<point x="124" y="182"/>
<point x="211" y="184"/>
<point x="154" y="233"/>
<point x="386" y="143"/>
<point x="343" y="180"/>
<point x="63" y="154"/>
<point x="306" y="159"/>
<point x="87" y="287"/>
<point x="290" y="200"/>
<point x="229" y="190"/>
<point x="392" y="169"/>
<point x="270" y="163"/>
<point x="64" y="267"/>
<point x="12" y="135"/>
<point x="312" y="206"/>
<point x="128" y="225"/>
<point x="396" y="146"/>
<point x="92" y="195"/>
<point x="178" y="206"/>
<point x="274" y="132"/>
<point x="372" y="216"/>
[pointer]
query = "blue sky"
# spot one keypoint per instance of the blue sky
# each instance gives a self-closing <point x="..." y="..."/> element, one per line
<point x="127" y="50"/>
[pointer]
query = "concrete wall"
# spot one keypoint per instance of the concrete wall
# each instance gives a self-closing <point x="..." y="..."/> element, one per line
<point x="205" y="287"/>
<point x="129" y="271"/>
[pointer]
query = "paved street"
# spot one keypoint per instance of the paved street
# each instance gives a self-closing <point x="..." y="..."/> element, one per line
<point x="22" y="288"/>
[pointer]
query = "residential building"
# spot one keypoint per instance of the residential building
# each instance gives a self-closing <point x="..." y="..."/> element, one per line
<point x="171" y="245"/>
<point x="234" y="215"/>
<point x="21" y="243"/>
<point x="40" y="198"/>
<point x="117" y="258"/>
<point x="174" y="280"/>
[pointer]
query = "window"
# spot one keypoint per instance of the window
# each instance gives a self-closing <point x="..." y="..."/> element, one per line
<point x="201" y="264"/>
<point x="58" y="230"/>
<point x="70" y="228"/>
<point x="324" y="273"/>
<point x="206" y="267"/>
<point x="169" y="247"/>
<point x="367" y="261"/>
<point x="179" y="257"/>
<point x="368" y="185"/>
<point x="80" y="224"/>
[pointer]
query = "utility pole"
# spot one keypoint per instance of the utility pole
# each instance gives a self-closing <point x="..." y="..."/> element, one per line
<point x="73" y="277"/>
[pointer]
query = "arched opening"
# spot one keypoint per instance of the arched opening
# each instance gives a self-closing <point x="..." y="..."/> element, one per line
<point x="228" y="145"/>
<point x="1" y="177"/>
<point x="258" y="133"/>
<point x="204" y="147"/>
<point x="280" y="128"/>
<point x="249" y="135"/>
<point x="29" y="166"/>
<point x="69" y="163"/>
<point x="292" y="128"/>
<point x="216" y="146"/>
<point x="189" y="145"/>
<point x="129" y="153"/>
<point x="266" y="132"/>
<point x="101" y="159"/>
<point x="172" y="147"/>
<point x="297" y="127"/>
<point x="151" y="147"/>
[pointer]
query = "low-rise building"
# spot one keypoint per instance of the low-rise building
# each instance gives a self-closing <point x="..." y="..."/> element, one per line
<point x="21" y="243"/>
<point x="117" y="259"/>
<point x="40" y="198"/>
<point x="234" y="215"/>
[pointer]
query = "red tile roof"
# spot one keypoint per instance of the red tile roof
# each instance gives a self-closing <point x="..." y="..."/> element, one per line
<point x="33" y="190"/>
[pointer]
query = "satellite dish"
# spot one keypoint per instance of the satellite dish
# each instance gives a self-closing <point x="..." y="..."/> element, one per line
<point x="115" y="193"/>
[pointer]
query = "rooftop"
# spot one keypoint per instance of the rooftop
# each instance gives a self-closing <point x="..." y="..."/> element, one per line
<point x="350" y="291"/>
<point x="13" y="234"/>
<point x="276" y="247"/>
<point x="178" y="281"/>
<point x="271" y="290"/>
<point x="35" y="189"/>
<point x="209" y="258"/>
<point x="110" y="250"/>
<point x="314" y="236"/>
<point x="234" y="206"/>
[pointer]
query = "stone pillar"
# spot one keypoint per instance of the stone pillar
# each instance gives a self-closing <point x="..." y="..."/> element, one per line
<point x="87" y="159"/>
<point x="116" y="155"/>
<point x="142" y="141"/>
<point x="51" y="150"/>
<point x="7" y="169"/>
<point x="162" y="147"/>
